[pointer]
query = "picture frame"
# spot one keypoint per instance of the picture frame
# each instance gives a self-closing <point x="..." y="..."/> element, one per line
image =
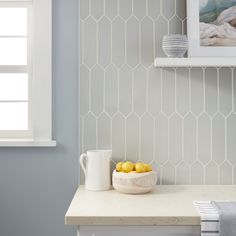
<point x="193" y="29"/>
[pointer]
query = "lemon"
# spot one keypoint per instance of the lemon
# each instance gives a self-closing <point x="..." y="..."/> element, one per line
<point x="132" y="172"/>
<point x="140" y="168"/>
<point x="128" y="167"/>
<point x="148" y="167"/>
<point x="119" y="166"/>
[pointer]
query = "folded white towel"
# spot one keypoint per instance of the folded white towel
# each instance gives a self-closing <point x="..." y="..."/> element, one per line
<point x="209" y="218"/>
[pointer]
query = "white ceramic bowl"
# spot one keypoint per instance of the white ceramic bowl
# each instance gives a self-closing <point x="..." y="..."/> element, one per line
<point x="175" y="45"/>
<point x="134" y="183"/>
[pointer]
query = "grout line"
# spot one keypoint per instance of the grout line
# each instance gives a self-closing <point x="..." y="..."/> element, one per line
<point x="204" y="89"/>
<point x="226" y="154"/>
<point x="104" y="91"/>
<point x="175" y="81"/>
<point x="182" y="139"/>
<point x="96" y="123"/>
<point x="125" y="120"/>
<point x="97" y="44"/>
<point x="190" y="89"/>
<point x="154" y="141"/>
<point x="146" y="91"/>
<point x="111" y="133"/>
<point x="161" y="89"/>
<point x="211" y="124"/>
<point x="140" y="41"/>
<point x="232" y="89"/>
<point x="140" y="138"/>
<point x="218" y="89"/>
<point x="132" y="90"/>
<point x="90" y="92"/>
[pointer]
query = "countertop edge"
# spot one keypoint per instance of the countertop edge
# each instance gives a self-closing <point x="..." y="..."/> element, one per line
<point x="133" y="221"/>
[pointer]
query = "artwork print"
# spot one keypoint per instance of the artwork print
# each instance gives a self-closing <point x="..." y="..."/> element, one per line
<point x="217" y="23"/>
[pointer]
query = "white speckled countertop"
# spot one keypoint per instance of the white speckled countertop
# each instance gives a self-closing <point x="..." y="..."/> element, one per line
<point x="166" y="205"/>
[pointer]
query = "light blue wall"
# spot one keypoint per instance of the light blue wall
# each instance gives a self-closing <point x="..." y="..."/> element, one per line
<point x="37" y="184"/>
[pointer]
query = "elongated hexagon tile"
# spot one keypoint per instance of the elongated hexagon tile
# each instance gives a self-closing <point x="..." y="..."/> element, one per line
<point x="181" y="9"/>
<point x="161" y="29"/>
<point x="190" y="139"/>
<point x="211" y="174"/>
<point x="161" y="139"/>
<point x="90" y="46"/>
<point x="175" y="139"/>
<point x="197" y="174"/>
<point x="84" y="6"/>
<point x="182" y="91"/>
<point x="118" y="42"/>
<point x="168" y="174"/>
<point x="139" y="8"/>
<point x="97" y="91"/>
<point x="132" y="42"/>
<point x="231" y="137"/>
<point x="111" y="8"/>
<point x="118" y="137"/>
<point x="97" y="8"/>
<point x="225" y="90"/>
<point x="147" y="133"/>
<point x="168" y="8"/>
<point x="218" y="138"/>
<point x="132" y="138"/>
<point x="226" y="171"/>
<point x="84" y="90"/>
<point x="211" y="91"/>
<point x="111" y="90"/>
<point x="168" y="91"/>
<point x="104" y="42"/>
<point x="204" y="138"/>
<point x="154" y="8"/>
<point x="125" y="90"/>
<point x="154" y="91"/>
<point x="183" y="174"/>
<point x="125" y="8"/>
<point x="139" y="90"/>
<point x="147" y="44"/>
<point x="197" y="91"/>
<point x="104" y="132"/>
<point x="175" y="26"/>
<point x="89" y="134"/>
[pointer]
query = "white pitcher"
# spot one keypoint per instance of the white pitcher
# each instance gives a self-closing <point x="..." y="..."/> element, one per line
<point x="97" y="169"/>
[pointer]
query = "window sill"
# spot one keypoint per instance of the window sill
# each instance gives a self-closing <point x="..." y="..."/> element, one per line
<point x="27" y="143"/>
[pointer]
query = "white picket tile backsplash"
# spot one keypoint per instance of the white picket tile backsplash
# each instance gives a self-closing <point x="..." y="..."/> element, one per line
<point x="183" y="121"/>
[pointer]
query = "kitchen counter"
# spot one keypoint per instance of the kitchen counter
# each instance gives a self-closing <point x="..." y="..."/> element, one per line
<point x="165" y="206"/>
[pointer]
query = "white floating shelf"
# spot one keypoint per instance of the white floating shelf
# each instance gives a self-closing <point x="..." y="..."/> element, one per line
<point x="195" y="62"/>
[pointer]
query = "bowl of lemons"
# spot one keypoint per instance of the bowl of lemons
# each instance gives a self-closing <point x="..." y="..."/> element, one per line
<point x="134" y="178"/>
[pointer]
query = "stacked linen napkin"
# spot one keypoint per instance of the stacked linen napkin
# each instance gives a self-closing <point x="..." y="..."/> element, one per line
<point x="217" y="218"/>
<point x="209" y="218"/>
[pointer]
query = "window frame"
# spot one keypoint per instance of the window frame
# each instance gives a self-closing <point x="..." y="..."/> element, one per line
<point x="39" y="70"/>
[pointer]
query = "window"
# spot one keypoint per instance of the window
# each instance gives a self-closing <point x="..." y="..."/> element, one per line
<point x="26" y="73"/>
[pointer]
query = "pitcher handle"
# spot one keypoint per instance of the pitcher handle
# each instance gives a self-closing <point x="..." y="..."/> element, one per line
<point x="81" y="161"/>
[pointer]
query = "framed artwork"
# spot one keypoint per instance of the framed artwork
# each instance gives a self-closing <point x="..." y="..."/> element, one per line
<point x="211" y="28"/>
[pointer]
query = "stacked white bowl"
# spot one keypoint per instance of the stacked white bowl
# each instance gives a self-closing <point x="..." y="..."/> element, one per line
<point x="175" y="45"/>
